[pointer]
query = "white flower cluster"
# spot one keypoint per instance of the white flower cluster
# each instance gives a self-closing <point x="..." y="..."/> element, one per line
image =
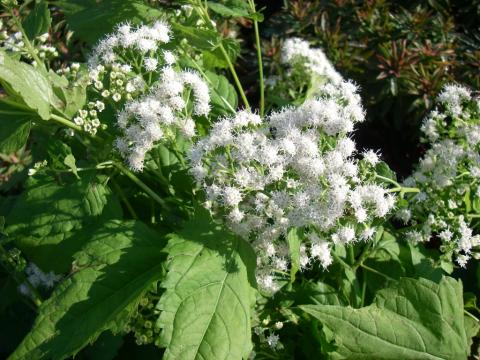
<point x="293" y="170"/>
<point x="296" y="51"/>
<point x="144" y="39"/>
<point x="157" y="115"/>
<point x="448" y="176"/>
<point x="133" y="72"/>
<point x="37" y="278"/>
<point x="15" y="43"/>
<point x="122" y="67"/>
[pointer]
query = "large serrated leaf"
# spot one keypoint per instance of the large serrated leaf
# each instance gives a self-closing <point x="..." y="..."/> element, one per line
<point x="25" y="81"/>
<point x="45" y="220"/>
<point x="415" y="319"/>
<point x="117" y="266"/>
<point x="206" y="305"/>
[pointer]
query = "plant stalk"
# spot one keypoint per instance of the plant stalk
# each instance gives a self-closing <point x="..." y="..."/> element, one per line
<point x="260" y="62"/>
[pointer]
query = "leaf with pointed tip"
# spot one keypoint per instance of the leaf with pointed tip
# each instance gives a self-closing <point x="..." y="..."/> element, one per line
<point x="46" y="219"/>
<point x="116" y="267"/>
<point x="415" y="319"/>
<point x="208" y="297"/>
<point x="23" y="80"/>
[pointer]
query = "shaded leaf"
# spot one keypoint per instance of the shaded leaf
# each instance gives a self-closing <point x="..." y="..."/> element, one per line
<point x="115" y="268"/>
<point x="46" y="218"/>
<point x="90" y="20"/>
<point x="223" y="96"/>
<point x="38" y="20"/>
<point x="14" y="128"/>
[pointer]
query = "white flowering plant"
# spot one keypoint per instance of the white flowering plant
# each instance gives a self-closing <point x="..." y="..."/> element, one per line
<point x="168" y="209"/>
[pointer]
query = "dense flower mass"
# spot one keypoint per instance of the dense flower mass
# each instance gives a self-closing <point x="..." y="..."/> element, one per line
<point x="132" y="71"/>
<point x="293" y="170"/>
<point x="155" y="116"/>
<point x="307" y="69"/>
<point x="447" y="176"/>
<point x="297" y="51"/>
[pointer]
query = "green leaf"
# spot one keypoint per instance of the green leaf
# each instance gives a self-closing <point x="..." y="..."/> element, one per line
<point x="38" y="20"/>
<point x="208" y="297"/>
<point x="209" y="41"/>
<point x="223" y="96"/>
<point x="24" y="81"/>
<point x="232" y="11"/>
<point x="234" y="8"/>
<point x="200" y="39"/>
<point x="72" y="96"/>
<point x="46" y="220"/>
<point x="415" y="319"/>
<point x="318" y="293"/>
<point x="215" y="58"/>
<point x="14" y="128"/>
<point x="294" y="241"/>
<point x="121" y="261"/>
<point x="70" y="162"/>
<point x="90" y="20"/>
<point x="472" y="328"/>
<point x="384" y="170"/>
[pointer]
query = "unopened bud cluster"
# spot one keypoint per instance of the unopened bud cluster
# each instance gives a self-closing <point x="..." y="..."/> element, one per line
<point x="15" y="43"/>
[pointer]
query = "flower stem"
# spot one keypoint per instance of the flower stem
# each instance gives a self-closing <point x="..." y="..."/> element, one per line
<point x="404" y="190"/>
<point x="260" y="62"/>
<point x="377" y="272"/>
<point x="65" y="122"/>
<point x="120" y="192"/>
<point x="27" y="42"/>
<point x="471" y="315"/>
<point x="204" y="12"/>
<point x="235" y="77"/>
<point x="141" y="184"/>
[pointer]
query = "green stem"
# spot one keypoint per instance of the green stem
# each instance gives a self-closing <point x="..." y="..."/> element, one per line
<point x="404" y="190"/>
<point x="339" y="259"/>
<point x="388" y="180"/>
<point x="364" y="288"/>
<point x="364" y="254"/>
<point x="260" y="62"/>
<point x="65" y="122"/>
<point x="471" y="315"/>
<point x="351" y="255"/>
<point x="141" y="184"/>
<point x="204" y="12"/>
<point x="27" y="42"/>
<point x="235" y="77"/>
<point x="120" y="192"/>
<point x="377" y="272"/>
